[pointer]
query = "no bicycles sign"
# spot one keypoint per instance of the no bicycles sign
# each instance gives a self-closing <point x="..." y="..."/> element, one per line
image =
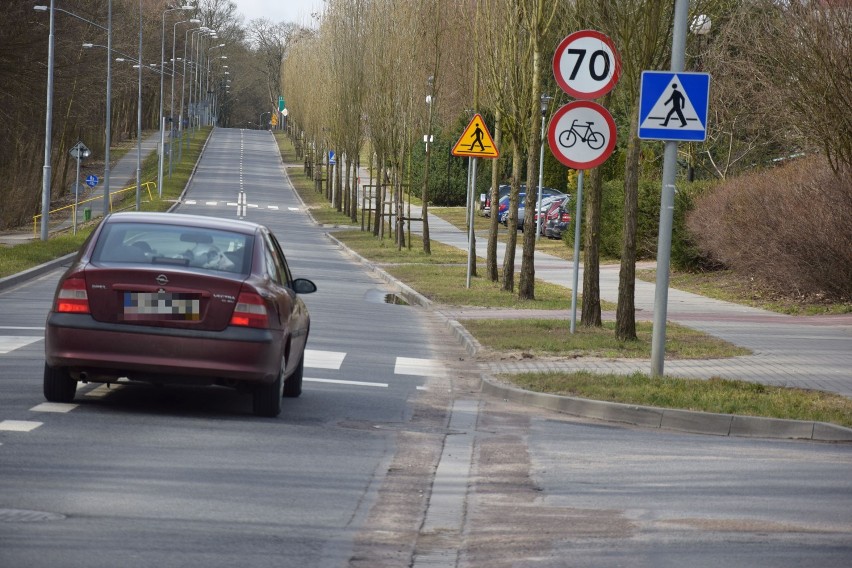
<point x="582" y="135"/>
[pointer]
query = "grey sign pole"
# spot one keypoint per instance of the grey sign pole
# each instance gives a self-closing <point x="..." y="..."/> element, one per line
<point x="578" y="218"/>
<point x="471" y="256"/>
<point x="664" y="240"/>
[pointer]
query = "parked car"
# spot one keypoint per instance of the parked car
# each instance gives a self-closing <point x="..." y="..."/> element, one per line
<point x="485" y="199"/>
<point x="168" y="298"/>
<point x="551" y="211"/>
<point x="548" y="195"/>
<point x="558" y="221"/>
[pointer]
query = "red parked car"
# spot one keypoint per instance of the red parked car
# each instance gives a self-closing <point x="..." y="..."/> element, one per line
<point x="557" y="219"/>
<point x="185" y="299"/>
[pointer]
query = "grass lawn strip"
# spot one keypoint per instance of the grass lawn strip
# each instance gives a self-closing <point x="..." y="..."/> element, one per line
<point x="714" y="395"/>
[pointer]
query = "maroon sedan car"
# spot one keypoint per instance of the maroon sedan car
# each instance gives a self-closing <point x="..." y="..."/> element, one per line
<point x="182" y="299"/>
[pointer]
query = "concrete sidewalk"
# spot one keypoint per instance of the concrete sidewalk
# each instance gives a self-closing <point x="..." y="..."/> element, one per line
<point x="812" y="352"/>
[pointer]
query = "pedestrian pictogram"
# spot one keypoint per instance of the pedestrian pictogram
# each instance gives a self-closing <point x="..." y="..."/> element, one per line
<point x="673" y="106"/>
<point x="476" y="141"/>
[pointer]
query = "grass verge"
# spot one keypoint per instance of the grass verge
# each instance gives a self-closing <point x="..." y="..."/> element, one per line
<point x="713" y="395"/>
<point x="552" y="338"/>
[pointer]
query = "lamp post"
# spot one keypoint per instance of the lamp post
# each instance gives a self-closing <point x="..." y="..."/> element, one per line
<point x="186" y="40"/>
<point x="161" y="117"/>
<point x="48" y="120"/>
<point x="207" y="81"/>
<point x="427" y="244"/>
<point x="545" y="101"/>
<point x="48" y="126"/>
<point x="139" y="121"/>
<point x="172" y="97"/>
<point x="700" y="27"/>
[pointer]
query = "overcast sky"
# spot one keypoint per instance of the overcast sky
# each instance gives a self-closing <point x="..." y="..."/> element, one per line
<point x="295" y="11"/>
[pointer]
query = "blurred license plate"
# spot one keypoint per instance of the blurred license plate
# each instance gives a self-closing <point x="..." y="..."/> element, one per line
<point x="161" y="305"/>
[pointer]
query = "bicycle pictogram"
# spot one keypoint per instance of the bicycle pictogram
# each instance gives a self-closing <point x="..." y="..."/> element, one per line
<point x="594" y="140"/>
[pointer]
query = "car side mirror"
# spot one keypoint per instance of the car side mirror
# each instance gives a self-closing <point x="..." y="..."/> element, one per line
<point x="304" y="286"/>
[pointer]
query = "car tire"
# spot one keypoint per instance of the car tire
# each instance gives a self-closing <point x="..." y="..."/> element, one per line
<point x="293" y="384"/>
<point x="266" y="399"/>
<point x="58" y="384"/>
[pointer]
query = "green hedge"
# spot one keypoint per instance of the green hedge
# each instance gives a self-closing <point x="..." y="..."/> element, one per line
<point x="685" y="255"/>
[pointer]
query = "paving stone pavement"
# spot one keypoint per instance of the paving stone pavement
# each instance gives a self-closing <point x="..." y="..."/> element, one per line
<point x="813" y="352"/>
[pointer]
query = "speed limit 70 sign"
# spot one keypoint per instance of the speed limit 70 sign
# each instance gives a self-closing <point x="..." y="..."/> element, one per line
<point x="586" y="64"/>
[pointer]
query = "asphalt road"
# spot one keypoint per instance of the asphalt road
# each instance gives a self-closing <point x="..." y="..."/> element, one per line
<point x="390" y="458"/>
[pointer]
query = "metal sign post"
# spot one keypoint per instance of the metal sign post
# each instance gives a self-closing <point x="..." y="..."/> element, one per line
<point x="664" y="238"/>
<point x="79" y="152"/>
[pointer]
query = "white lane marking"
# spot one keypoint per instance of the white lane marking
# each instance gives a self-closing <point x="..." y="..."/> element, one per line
<point x="273" y="207"/>
<point x="422" y="388"/>
<point x="317" y="359"/>
<point x="60" y="407"/>
<point x="214" y="203"/>
<point x="12" y="342"/>
<point x="293" y="208"/>
<point x="190" y="202"/>
<point x="351" y="383"/>
<point x="415" y="366"/>
<point x="19" y="425"/>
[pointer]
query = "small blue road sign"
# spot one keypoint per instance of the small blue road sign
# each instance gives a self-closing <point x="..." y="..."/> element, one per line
<point x="331" y="159"/>
<point x="91" y="180"/>
<point x="673" y="106"/>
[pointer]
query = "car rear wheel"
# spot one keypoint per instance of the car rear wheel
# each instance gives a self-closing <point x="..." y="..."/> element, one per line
<point x="266" y="399"/>
<point x="293" y="384"/>
<point x="58" y="384"/>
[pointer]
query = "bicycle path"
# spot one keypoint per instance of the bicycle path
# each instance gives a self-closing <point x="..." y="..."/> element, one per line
<point x="122" y="175"/>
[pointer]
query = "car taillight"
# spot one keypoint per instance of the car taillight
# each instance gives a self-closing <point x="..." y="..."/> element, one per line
<point x="250" y="311"/>
<point x="566" y="218"/>
<point x="72" y="297"/>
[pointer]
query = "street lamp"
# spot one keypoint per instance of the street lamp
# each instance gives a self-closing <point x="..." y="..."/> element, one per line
<point x="172" y="98"/>
<point x="186" y="40"/>
<point x="48" y="120"/>
<point x="545" y="102"/>
<point x="162" y="118"/>
<point x="108" y="134"/>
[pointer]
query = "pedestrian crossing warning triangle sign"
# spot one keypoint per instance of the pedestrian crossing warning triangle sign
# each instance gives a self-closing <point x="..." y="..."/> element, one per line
<point x="476" y="141"/>
<point x="673" y="106"/>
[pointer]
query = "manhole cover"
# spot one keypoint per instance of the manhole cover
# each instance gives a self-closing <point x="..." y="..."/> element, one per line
<point x="23" y="516"/>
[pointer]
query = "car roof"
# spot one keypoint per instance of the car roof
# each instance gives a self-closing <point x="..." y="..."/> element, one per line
<point x="182" y="219"/>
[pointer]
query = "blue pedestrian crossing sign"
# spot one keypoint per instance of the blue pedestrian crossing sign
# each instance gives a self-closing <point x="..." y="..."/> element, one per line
<point x="673" y="106"/>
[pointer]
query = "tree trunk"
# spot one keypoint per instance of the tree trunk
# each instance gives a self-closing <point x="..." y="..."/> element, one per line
<point x="512" y="237"/>
<point x="591" y="310"/>
<point x="625" y="322"/>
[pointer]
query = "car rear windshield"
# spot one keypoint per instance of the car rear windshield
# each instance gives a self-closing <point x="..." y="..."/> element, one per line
<point x="173" y="245"/>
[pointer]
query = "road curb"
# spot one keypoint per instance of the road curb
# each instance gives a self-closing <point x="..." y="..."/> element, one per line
<point x="688" y="421"/>
<point x="667" y="419"/>
<point x="34" y="272"/>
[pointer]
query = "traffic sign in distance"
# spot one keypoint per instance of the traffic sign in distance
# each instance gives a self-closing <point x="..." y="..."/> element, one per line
<point x="476" y="141"/>
<point x="91" y="180"/>
<point x="673" y="106"/>
<point x="586" y="64"/>
<point x="582" y="135"/>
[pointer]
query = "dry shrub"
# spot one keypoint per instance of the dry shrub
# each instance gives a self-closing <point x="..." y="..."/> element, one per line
<point x="789" y="228"/>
